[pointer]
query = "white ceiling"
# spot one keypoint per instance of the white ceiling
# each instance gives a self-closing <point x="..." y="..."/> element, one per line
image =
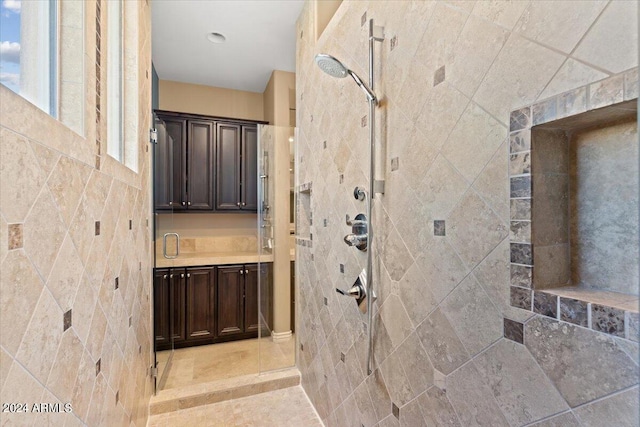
<point x="261" y="37"/>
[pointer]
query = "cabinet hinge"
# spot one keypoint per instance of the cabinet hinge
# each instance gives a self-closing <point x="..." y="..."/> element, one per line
<point x="153" y="136"/>
<point x="153" y="371"/>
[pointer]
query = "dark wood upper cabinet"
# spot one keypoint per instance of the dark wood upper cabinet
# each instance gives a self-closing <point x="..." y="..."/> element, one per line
<point x="228" y="166"/>
<point x="229" y="300"/>
<point x="170" y="166"/>
<point x="200" y="165"/>
<point x="249" y="166"/>
<point x="236" y="167"/>
<point x="206" y="164"/>
<point x="200" y="303"/>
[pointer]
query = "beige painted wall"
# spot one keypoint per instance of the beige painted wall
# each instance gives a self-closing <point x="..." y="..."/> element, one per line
<point x="211" y="101"/>
<point x="325" y="10"/>
<point x="55" y="186"/>
<point x="279" y="98"/>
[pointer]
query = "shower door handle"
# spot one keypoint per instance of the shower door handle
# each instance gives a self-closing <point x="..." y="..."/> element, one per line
<point x="164" y="245"/>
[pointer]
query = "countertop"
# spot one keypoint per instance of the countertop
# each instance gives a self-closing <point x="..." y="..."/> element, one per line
<point x="192" y="259"/>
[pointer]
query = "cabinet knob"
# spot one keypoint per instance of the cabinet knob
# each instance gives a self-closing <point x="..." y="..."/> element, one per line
<point x="171" y="276"/>
<point x="244" y="204"/>
<point x="241" y="271"/>
<point x="170" y="203"/>
<point x="188" y="275"/>
<point x="183" y="203"/>
<point x="182" y="276"/>
<point x="238" y="204"/>
<point x="189" y="203"/>
<point x="164" y="277"/>
<point x="246" y="272"/>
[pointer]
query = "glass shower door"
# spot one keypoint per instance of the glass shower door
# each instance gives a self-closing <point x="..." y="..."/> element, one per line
<point x="276" y="314"/>
<point x="166" y="246"/>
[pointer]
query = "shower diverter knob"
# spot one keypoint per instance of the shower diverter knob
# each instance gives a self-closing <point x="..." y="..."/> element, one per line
<point x="356" y="291"/>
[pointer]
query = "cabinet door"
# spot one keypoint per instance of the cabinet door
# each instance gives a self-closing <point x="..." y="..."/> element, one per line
<point x="177" y="304"/>
<point x="200" y="165"/>
<point x="251" y="318"/>
<point x="162" y="168"/>
<point x="177" y="130"/>
<point x="229" y="303"/>
<point x="161" y="307"/>
<point x="200" y="303"/>
<point x="227" y="166"/>
<point x="266" y="294"/>
<point x="249" y="182"/>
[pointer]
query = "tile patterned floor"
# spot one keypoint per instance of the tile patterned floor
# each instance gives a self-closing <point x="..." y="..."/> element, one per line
<point x="208" y="363"/>
<point x="279" y="408"/>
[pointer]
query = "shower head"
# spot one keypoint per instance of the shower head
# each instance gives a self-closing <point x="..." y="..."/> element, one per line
<point x="331" y="66"/>
<point x="335" y="68"/>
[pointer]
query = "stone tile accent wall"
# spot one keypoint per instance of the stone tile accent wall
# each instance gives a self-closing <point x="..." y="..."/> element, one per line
<point x="456" y="340"/>
<point x="70" y="227"/>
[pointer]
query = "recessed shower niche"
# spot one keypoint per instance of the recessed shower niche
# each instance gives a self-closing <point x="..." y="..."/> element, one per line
<point x="574" y="207"/>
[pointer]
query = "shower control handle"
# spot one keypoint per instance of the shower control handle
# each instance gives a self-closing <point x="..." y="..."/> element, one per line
<point x="356" y="291"/>
<point x="359" y="235"/>
<point x="359" y="292"/>
<point x="351" y="222"/>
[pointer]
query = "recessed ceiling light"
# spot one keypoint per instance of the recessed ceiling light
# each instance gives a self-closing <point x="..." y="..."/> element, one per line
<point x="216" y="38"/>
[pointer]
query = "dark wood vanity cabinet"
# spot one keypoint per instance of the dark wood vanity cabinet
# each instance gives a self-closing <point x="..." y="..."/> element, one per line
<point x="236" y="167"/>
<point x="230" y="301"/>
<point x="207" y="164"/>
<point x="251" y="316"/>
<point x="161" y="306"/>
<point x="169" y="306"/>
<point x="200" y="303"/>
<point x="237" y="301"/>
<point x="204" y="305"/>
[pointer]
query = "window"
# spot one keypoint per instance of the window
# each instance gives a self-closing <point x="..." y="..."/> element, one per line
<point x="28" y="51"/>
<point x="122" y="88"/>
<point x="115" y="99"/>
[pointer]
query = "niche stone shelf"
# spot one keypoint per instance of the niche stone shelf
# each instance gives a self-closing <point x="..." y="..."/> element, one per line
<point x="573" y="173"/>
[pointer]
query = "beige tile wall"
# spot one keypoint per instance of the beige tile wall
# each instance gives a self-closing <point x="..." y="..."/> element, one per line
<point x="75" y="322"/>
<point x="440" y="353"/>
